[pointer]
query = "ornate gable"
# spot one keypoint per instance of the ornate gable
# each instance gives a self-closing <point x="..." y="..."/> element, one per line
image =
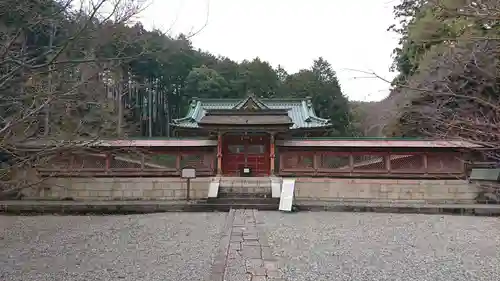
<point x="251" y="103"/>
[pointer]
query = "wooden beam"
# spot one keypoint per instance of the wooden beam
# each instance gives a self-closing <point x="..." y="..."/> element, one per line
<point x="316" y="161"/>
<point x="219" y="154"/>
<point x="387" y="159"/>
<point x="272" y="154"/>
<point x="426" y="164"/>
<point x="108" y="160"/>
<point x="178" y="159"/>
<point x="351" y="163"/>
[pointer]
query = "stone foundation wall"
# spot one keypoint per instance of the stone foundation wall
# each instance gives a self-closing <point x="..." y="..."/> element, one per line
<point x="119" y="189"/>
<point x="247" y="185"/>
<point x="431" y="191"/>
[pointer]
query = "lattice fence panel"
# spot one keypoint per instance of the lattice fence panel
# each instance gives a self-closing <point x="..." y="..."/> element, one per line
<point x="160" y="160"/>
<point x="334" y="161"/>
<point x="369" y="162"/>
<point x="57" y="162"/>
<point x="127" y="159"/>
<point x="407" y="163"/>
<point x="297" y="160"/>
<point x="444" y="163"/>
<point x="89" y="161"/>
<point x="199" y="161"/>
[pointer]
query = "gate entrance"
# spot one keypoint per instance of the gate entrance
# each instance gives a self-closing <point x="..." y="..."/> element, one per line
<point x="250" y="152"/>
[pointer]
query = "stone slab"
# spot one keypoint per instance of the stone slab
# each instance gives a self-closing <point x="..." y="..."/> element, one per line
<point x="243" y="259"/>
<point x="287" y="193"/>
<point x="144" y="206"/>
<point x="275" y="187"/>
<point x="213" y="189"/>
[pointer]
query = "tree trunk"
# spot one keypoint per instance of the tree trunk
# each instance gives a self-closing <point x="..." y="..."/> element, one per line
<point x="49" y="88"/>
<point x="150" y="110"/>
<point x="119" y="130"/>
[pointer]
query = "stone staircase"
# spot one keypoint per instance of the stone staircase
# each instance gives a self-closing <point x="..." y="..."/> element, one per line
<point x="245" y="193"/>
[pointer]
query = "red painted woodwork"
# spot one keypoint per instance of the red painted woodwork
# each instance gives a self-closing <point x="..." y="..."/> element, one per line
<point x="219" y="154"/>
<point x="245" y="152"/>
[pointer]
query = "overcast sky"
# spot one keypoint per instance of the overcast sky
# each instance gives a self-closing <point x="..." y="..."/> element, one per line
<point x="350" y="34"/>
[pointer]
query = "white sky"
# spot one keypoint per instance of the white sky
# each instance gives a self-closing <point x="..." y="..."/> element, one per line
<point x="350" y="34"/>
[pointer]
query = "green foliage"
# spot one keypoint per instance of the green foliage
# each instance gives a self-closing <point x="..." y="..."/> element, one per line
<point x="204" y="82"/>
<point x="448" y="63"/>
<point x="258" y="77"/>
<point x="187" y="74"/>
<point x="320" y="83"/>
<point x="426" y="23"/>
<point x="155" y="76"/>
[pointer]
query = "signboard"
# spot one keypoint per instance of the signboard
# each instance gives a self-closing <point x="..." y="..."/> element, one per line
<point x="188" y="173"/>
<point x="275" y="187"/>
<point x="213" y="189"/>
<point x="286" y="199"/>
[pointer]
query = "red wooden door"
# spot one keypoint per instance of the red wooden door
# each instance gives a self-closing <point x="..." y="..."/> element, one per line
<point x="245" y="152"/>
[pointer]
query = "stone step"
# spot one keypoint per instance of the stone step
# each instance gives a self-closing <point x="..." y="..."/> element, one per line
<point x="244" y="195"/>
<point x="251" y="182"/>
<point x="259" y="192"/>
<point x="244" y="198"/>
<point x="227" y="207"/>
<point x="246" y="201"/>
<point x="245" y="178"/>
<point x="245" y="185"/>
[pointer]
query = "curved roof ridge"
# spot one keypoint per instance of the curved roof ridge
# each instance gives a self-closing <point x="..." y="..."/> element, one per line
<point x="196" y="110"/>
<point x="219" y="99"/>
<point x="190" y="113"/>
<point x="310" y="113"/>
<point x="283" y="99"/>
<point x="305" y="111"/>
<point x="320" y="119"/>
<point x="242" y="99"/>
<point x="299" y="110"/>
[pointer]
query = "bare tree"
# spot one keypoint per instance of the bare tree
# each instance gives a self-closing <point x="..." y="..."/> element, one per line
<point x="455" y="91"/>
<point x="58" y="61"/>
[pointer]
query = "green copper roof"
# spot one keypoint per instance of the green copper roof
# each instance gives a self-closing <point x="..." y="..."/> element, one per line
<point x="300" y="111"/>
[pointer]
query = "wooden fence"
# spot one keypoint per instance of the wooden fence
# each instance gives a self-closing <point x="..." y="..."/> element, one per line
<point x="291" y="162"/>
<point x="131" y="162"/>
<point x="295" y="162"/>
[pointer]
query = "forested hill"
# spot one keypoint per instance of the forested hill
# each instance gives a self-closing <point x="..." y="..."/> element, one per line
<point x="200" y="74"/>
<point x="185" y="73"/>
<point x="448" y="63"/>
<point x="69" y="72"/>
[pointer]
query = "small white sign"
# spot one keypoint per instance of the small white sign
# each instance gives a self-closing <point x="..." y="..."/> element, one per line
<point x="275" y="187"/>
<point x="246" y="170"/>
<point x="188" y="173"/>
<point x="286" y="199"/>
<point x="213" y="188"/>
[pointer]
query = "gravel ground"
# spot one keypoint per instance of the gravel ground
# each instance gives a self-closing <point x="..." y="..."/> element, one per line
<point x="168" y="246"/>
<point x="366" y="246"/>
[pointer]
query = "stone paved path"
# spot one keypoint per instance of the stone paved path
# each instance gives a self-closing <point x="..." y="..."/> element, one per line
<point x="244" y="252"/>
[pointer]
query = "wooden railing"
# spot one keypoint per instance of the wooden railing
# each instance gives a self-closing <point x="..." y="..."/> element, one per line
<point x="131" y="163"/>
<point x="293" y="162"/>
